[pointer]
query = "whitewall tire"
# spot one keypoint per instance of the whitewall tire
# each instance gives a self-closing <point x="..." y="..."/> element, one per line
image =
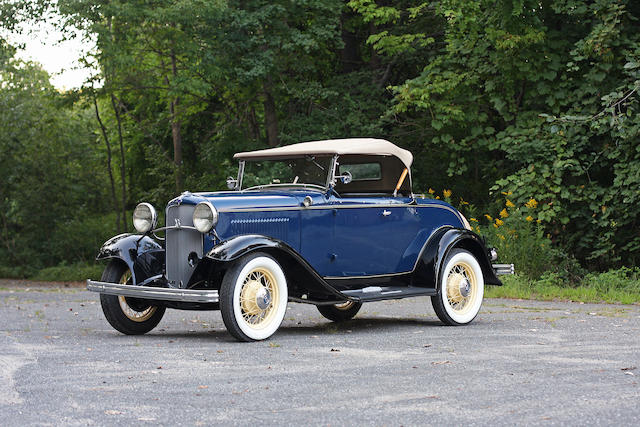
<point x="253" y="297"/>
<point x="461" y="289"/>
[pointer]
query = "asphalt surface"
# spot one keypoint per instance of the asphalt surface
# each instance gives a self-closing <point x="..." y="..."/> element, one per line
<point x="520" y="362"/>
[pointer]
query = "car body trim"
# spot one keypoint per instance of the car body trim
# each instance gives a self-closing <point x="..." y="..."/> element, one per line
<point x="339" y="206"/>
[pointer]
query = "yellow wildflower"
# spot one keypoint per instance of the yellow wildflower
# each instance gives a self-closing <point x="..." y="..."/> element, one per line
<point x="507" y="193"/>
<point x="438" y="197"/>
<point x="529" y="218"/>
<point x="499" y="222"/>
<point x="446" y="193"/>
<point x="532" y="204"/>
<point x="501" y="236"/>
<point x="473" y="219"/>
<point x="510" y="204"/>
<point x="504" y="213"/>
<point x="463" y="202"/>
<point x="431" y="191"/>
<point x="488" y="217"/>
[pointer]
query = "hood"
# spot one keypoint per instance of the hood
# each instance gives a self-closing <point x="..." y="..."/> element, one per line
<point x="232" y="200"/>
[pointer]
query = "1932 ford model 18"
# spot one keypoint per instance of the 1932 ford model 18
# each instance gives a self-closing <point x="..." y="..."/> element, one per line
<point x="332" y="223"/>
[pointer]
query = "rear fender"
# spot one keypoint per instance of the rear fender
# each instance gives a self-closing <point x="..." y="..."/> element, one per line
<point x="302" y="278"/>
<point x="439" y="245"/>
<point x="144" y="256"/>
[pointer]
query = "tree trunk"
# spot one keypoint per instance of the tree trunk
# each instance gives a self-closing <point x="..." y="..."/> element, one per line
<point x="113" y="185"/>
<point x="270" y="114"/>
<point x="350" y="53"/>
<point x="175" y="130"/>
<point x="123" y="176"/>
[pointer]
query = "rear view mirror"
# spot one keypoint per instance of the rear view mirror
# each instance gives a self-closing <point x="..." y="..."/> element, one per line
<point x="232" y="183"/>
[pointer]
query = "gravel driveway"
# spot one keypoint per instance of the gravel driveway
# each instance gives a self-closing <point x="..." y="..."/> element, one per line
<point x="520" y="362"/>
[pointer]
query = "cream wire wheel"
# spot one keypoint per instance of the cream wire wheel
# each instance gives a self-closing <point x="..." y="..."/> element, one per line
<point x="131" y="316"/>
<point x="340" y="312"/>
<point x="253" y="297"/>
<point x="461" y="289"/>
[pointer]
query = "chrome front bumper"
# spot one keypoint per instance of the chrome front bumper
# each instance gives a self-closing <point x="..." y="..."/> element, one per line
<point x="503" y="269"/>
<point x="160" y="294"/>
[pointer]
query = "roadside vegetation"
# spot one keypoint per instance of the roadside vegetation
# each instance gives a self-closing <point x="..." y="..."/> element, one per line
<point x="524" y="114"/>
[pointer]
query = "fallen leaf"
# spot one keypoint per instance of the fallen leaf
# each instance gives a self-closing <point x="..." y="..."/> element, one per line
<point x="442" y="362"/>
<point x="630" y="368"/>
<point x="427" y="345"/>
<point x="202" y="387"/>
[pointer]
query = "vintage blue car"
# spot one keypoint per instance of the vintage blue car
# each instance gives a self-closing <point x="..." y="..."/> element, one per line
<point x="331" y="223"/>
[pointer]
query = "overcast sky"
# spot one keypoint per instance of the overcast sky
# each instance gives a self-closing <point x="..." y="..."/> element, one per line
<point x="59" y="58"/>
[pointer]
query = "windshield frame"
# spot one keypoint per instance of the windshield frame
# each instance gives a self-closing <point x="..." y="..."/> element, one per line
<point x="329" y="183"/>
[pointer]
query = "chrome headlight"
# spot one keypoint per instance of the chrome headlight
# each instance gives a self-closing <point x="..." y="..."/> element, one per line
<point x="145" y="217"/>
<point x="205" y="217"/>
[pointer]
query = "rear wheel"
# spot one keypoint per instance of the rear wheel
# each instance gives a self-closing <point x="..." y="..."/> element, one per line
<point x="253" y="297"/>
<point x="340" y="312"/>
<point x="131" y="316"/>
<point x="461" y="289"/>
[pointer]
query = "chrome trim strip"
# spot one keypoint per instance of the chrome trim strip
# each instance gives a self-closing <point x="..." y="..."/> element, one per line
<point x="373" y="276"/>
<point x="338" y="206"/>
<point x="174" y="227"/>
<point x="161" y="294"/>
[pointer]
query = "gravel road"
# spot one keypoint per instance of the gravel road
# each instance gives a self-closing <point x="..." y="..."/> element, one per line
<point x="520" y="362"/>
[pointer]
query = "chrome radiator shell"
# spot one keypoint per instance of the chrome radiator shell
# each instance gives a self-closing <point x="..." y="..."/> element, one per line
<point x="180" y="242"/>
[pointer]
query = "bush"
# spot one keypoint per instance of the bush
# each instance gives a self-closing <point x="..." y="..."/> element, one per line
<point x="69" y="273"/>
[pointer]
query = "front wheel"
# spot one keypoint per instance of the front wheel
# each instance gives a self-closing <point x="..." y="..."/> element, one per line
<point x="131" y="316"/>
<point x="253" y="297"/>
<point x="340" y="312"/>
<point x="461" y="289"/>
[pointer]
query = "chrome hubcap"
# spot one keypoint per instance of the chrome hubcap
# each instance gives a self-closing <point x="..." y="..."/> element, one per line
<point x="263" y="298"/>
<point x="465" y="288"/>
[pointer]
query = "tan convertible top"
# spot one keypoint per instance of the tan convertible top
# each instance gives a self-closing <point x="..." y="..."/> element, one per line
<point x="365" y="146"/>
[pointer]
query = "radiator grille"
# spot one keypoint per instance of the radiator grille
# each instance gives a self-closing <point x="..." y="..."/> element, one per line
<point x="273" y="227"/>
<point x="180" y="243"/>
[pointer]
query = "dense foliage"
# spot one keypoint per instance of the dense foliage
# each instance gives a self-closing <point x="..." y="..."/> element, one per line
<point x="528" y="108"/>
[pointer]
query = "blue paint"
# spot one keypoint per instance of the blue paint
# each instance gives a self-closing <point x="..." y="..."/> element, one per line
<point x="337" y="236"/>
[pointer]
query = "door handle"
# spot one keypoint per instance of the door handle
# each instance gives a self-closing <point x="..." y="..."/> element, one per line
<point x="386" y="213"/>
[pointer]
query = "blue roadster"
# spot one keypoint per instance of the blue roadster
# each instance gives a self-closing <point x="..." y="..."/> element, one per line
<point x="331" y="223"/>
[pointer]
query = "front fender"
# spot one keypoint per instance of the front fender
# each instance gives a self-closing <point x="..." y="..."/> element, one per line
<point x="302" y="277"/>
<point x="439" y="245"/>
<point x="144" y="256"/>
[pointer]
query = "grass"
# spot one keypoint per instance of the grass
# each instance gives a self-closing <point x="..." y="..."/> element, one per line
<point x="617" y="286"/>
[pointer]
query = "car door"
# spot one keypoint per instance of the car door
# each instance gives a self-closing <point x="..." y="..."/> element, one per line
<point x="372" y="235"/>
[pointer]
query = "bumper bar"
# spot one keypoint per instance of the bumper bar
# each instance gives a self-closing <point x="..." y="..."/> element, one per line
<point x="503" y="269"/>
<point x="160" y="294"/>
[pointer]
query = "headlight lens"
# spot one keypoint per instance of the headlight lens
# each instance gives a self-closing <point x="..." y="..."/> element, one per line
<point x="144" y="217"/>
<point x="205" y="217"/>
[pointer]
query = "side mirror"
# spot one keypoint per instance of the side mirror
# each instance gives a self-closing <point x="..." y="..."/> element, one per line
<point x="345" y="178"/>
<point x="232" y="183"/>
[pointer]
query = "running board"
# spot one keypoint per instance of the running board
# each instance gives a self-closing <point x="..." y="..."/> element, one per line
<point x="376" y="293"/>
<point x="153" y="293"/>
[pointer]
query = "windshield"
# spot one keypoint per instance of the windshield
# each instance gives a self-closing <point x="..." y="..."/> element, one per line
<point x="302" y="171"/>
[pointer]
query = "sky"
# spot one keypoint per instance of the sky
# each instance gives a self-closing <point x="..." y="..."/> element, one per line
<point x="60" y="58"/>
